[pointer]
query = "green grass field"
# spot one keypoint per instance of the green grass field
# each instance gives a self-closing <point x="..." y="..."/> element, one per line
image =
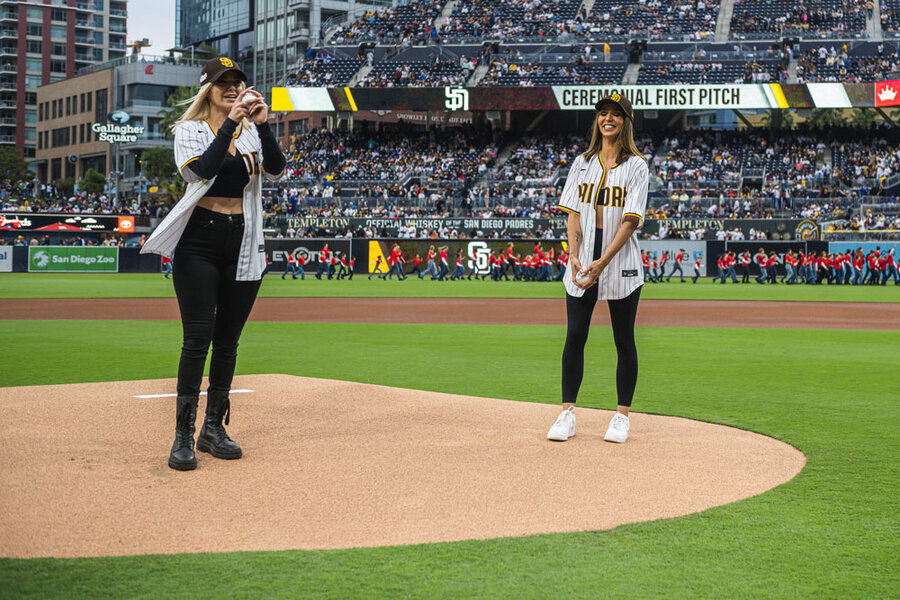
<point x="831" y="532"/>
<point x="122" y="285"/>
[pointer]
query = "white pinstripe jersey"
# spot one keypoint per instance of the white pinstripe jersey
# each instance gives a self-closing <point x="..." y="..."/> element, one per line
<point x="192" y="139"/>
<point x="619" y="191"/>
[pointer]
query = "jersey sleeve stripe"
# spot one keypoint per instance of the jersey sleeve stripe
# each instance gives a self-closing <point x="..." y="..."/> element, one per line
<point x="570" y="210"/>
<point x="634" y="215"/>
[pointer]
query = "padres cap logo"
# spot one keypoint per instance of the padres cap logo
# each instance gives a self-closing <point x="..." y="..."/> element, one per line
<point x="226" y="62"/>
<point x="616" y="97"/>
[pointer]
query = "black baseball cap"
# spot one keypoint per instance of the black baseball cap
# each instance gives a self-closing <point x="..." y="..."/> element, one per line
<point x="216" y="67"/>
<point x="620" y="101"/>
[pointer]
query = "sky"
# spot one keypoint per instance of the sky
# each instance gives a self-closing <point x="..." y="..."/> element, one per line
<point x="155" y="20"/>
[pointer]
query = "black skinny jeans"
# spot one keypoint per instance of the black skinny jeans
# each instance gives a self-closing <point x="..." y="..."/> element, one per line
<point x="622" y="315"/>
<point x="214" y="307"/>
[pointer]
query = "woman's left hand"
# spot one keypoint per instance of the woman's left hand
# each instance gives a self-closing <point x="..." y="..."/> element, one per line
<point x="259" y="110"/>
<point x="595" y="269"/>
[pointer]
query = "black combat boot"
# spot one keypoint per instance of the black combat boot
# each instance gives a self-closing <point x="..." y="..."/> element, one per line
<point x="182" y="457"/>
<point x="213" y="438"/>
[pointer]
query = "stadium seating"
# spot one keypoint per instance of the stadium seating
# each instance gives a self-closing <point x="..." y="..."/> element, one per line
<point x="657" y="19"/>
<point x="396" y="73"/>
<point x="813" y="18"/>
<point x="411" y="23"/>
<point x="713" y="72"/>
<point x="475" y="20"/>
<point x="325" y="71"/>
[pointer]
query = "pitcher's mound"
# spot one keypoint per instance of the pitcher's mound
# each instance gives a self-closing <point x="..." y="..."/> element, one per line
<point x="331" y="464"/>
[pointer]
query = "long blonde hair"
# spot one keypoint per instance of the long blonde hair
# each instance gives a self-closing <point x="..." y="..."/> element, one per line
<point x="198" y="106"/>
<point x="627" y="147"/>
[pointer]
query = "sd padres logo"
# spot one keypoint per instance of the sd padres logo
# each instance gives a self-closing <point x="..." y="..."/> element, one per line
<point x="615" y="97"/>
<point x="226" y="62"/>
<point x="457" y="98"/>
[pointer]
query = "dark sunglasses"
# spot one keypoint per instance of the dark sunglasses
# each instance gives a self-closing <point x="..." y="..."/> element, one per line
<point x="227" y="84"/>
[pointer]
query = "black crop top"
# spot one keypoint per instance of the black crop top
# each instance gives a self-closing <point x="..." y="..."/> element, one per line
<point x="231" y="179"/>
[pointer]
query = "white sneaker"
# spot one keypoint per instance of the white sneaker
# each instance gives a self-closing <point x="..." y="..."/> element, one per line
<point x="618" y="429"/>
<point x="564" y="428"/>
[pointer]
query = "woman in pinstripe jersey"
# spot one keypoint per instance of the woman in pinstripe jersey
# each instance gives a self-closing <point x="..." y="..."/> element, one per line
<point x="606" y="197"/>
<point x="223" y="144"/>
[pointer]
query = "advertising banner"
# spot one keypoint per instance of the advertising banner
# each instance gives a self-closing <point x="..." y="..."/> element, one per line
<point x="6" y="260"/>
<point x="583" y="97"/>
<point x="66" y="222"/>
<point x="689" y="251"/>
<point x="883" y="247"/>
<point x="468" y="226"/>
<point x="476" y="253"/>
<point x="73" y="259"/>
<point x="775" y="229"/>
<point x="277" y="251"/>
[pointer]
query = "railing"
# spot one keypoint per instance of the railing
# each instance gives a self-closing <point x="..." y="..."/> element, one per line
<point x="5" y="32"/>
<point x="9" y="50"/>
<point x="8" y="85"/>
<point x="142" y="59"/>
<point x="151" y="103"/>
<point x="9" y="15"/>
<point x="7" y="122"/>
<point x="7" y="139"/>
<point x="874" y="235"/>
<point x="115" y="12"/>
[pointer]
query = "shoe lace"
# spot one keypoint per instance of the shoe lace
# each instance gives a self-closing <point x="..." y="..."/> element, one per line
<point x="619" y="422"/>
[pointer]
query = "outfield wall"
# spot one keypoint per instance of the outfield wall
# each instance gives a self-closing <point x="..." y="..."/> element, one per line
<point x="364" y="250"/>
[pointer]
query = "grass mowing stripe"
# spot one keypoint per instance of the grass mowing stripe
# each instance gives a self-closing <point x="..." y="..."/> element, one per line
<point x="830" y="532"/>
<point x="134" y="285"/>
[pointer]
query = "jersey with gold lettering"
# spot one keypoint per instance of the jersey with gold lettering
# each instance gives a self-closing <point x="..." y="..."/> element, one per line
<point x="618" y="191"/>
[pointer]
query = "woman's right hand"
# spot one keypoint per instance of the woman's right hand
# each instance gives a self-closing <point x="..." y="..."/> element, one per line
<point x="239" y="111"/>
<point x="576" y="266"/>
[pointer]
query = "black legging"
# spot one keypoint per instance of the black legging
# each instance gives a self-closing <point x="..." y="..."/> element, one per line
<point x="214" y="307"/>
<point x="622" y="314"/>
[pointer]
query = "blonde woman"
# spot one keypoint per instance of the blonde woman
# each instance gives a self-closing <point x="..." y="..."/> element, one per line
<point x="223" y="145"/>
<point x="606" y="197"/>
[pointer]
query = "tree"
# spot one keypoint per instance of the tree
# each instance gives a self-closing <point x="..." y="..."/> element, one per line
<point x="778" y="119"/>
<point x="158" y="163"/>
<point x="65" y="185"/>
<point x="864" y="118"/>
<point x="175" y="107"/>
<point x="12" y="165"/>
<point x="825" y="118"/>
<point x="171" y="191"/>
<point x="92" y="182"/>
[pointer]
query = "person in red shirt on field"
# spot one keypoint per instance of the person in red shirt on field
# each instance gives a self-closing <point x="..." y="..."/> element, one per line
<point x="416" y="266"/>
<point x="697" y="266"/>
<point x="442" y="263"/>
<point x="654" y="272"/>
<point x="167" y="265"/>
<point x="561" y="261"/>
<point x="761" y="260"/>
<point x="720" y="268"/>
<point x="745" y="266"/>
<point x="645" y="261"/>
<point x="323" y="262"/>
<point x="510" y="261"/>
<point x="662" y="266"/>
<point x="342" y="267"/>
<point x="892" y="268"/>
<point x="676" y="266"/>
<point x="350" y="268"/>
<point x="430" y="265"/>
<point x="395" y="263"/>
<point x="376" y="269"/>
<point x="459" y="270"/>
<point x="730" y="261"/>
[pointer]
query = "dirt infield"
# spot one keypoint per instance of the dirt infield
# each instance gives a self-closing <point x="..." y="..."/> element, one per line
<point x="84" y="470"/>
<point x="484" y="311"/>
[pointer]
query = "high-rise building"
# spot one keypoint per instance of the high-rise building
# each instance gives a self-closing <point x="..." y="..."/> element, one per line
<point x="226" y="25"/>
<point x="44" y="43"/>
<point x="266" y="37"/>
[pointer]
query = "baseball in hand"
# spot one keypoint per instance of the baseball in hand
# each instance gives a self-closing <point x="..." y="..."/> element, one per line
<point x="582" y="277"/>
<point x="250" y="97"/>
